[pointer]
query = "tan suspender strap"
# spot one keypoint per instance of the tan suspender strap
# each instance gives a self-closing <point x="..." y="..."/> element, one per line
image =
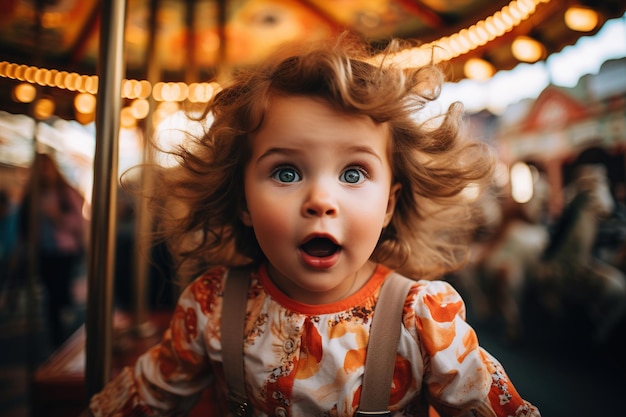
<point x="382" y="346"/>
<point x="233" y="324"/>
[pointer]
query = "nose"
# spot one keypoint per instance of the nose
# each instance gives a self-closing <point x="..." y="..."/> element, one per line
<point x="319" y="201"/>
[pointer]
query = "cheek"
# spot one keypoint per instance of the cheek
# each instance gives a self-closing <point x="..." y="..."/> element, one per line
<point x="255" y="199"/>
<point x="272" y="231"/>
<point x="266" y="213"/>
<point x="368" y="220"/>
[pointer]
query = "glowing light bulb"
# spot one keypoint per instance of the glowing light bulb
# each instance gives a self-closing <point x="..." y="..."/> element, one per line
<point x="478" y="69"/>
<point x="526" y="49"/>
<point x="581" y="19"/>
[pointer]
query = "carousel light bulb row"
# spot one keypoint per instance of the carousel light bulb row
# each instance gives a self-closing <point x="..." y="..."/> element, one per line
<point x="466" y="40"/>
<point x="131" y="89"/>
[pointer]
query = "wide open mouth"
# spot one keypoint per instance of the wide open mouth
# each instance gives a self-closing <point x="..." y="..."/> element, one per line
<point x="320" y="247"/>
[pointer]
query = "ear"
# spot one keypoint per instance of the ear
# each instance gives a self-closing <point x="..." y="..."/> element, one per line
<point x="394" y="191"/>
<point x="244" y="215"/>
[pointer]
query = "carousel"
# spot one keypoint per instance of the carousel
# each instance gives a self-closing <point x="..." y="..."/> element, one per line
<point x="63" y="65"/>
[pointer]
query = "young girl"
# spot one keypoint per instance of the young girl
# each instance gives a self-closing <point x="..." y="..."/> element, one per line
<point x="317" y="173"/>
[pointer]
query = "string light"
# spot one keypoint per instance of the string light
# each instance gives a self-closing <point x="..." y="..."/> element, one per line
<point x="478" y="69"/>
<point x="527" y="49"/>
<point x="521" y="183"/>
<point x="140" y="108"/>
<point x="466" y="40"/>
<point x="44" y="108"/>
<point x="85" y="103"/>
<point x="24" y="93"/>
<point x="581" y="19"/>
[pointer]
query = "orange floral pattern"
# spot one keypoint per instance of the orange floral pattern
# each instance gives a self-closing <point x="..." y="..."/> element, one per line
<point x="304" y="360"/>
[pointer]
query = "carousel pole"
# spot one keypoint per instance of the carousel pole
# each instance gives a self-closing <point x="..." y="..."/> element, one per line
<point x="99" y="323"/>
<point x="143" y="220"/>
<point x="191" y="68"/>
<point x="220" y="62"/>
<point x="32" y="245"/>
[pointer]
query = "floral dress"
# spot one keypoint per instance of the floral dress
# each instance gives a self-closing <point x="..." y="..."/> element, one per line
<point x="308" y="360"/>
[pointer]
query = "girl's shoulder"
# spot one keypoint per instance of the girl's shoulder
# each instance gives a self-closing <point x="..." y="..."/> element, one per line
<point x="433" y="287"/>
<point x="205" y="292"/>
<point x="211" y="282"/>
<point x="211" y="275"/>
<point x="435" y="299"/>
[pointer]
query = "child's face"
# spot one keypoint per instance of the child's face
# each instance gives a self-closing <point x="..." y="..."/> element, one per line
<point x="318" y="191"/>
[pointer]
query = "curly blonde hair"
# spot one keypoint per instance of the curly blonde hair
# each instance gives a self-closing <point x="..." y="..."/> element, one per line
<point x="201" y="199"/>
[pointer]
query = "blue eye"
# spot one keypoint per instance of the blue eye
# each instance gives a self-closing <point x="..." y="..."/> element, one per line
<point x="286" y="175"/>
<point x="352" y="176"/>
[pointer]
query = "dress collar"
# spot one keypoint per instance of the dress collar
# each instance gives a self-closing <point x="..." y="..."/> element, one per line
<point x="356" y="299"/>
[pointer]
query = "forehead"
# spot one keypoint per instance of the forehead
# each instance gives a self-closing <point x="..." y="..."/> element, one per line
<point x="312" y="121"/>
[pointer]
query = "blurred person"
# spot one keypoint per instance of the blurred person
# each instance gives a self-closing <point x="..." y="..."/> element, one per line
<point x="8" y="244"/>
<point x="571" y="278"/>
<point x="61" y="232"/>
<point x="8" y="225"/>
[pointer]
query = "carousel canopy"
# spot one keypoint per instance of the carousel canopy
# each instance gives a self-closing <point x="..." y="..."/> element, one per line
<point x="193" y="37"/>
<point x="54" y="43"/>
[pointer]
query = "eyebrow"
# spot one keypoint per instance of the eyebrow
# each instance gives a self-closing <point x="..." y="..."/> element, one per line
<point x="276" y="151"/>
<point x="289" y="151"/>
<point x="366" y="150"/>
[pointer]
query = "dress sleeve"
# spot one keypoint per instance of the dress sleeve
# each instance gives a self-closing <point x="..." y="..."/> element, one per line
<point x="168" y="379"/>
<point x="460" y="377"/>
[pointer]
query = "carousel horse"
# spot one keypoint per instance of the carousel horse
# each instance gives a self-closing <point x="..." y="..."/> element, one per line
<point x="498" y="272"/>
<point x="558" y="267"/>
<point x="569" y="272"/>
